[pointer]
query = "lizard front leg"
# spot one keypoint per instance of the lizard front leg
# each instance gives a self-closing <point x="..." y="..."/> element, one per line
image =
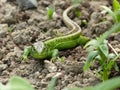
<point x="26" y="52"/>
<point x="54" y="54"/>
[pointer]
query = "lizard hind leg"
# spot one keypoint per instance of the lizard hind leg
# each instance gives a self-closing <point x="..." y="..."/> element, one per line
<point x="56" y="56"/>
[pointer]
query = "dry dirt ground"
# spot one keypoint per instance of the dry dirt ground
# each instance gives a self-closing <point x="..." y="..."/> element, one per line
<point x="32" y="25"/>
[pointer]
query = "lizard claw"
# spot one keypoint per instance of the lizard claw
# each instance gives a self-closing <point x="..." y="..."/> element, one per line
<point x="24" y="58"/>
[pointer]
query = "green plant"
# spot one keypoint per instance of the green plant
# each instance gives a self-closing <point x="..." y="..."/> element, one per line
<point x="110" y="84"/>
<point x="77" y="13"/>
<point x="16" y="83"/>
<point x="50" y="11"/>
<point x="52" y="83"/>
<point x="98" y="51"/>
<point x="115" y="13"/>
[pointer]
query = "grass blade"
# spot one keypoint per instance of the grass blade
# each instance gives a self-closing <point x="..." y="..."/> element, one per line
<point x="114" y="28"/>
<point x="90" y="58"/>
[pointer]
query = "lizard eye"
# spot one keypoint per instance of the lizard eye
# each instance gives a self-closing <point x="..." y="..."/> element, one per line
<point x="39" y="46"/>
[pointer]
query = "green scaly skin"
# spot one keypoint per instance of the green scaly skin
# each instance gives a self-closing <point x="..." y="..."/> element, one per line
<point x="71" y="40"/>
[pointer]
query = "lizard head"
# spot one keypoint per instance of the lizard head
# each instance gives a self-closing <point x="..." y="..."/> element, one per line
<point x="39" y="46"/>
<point x="39" y="50"/>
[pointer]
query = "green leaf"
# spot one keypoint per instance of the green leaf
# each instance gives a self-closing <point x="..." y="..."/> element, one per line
<point x="50" y="11"/>
<point x="18" y="83"/>
<point x="91" y="48"/>
<point x="76" y="88"/>
<point x="116" y="5"/>
<point x="110" y="64"/>
<point x="90" y="58"/>
<point x="111" y="84"/>
<point x="104" y="49"/>
<point x="117" y="14"/>
<point x="112" y="55"/>
<point x="92" y="42"/>
<point x="116" y="67"/>
<point x="98" y="57"/>
<point x="77" y="13"/>
<point x="2" y="87"/>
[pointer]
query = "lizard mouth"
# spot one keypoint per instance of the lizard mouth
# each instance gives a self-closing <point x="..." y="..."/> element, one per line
<point x="39" y="46"/>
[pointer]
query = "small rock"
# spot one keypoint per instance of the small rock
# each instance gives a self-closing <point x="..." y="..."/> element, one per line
<point x="21" y="37"/>
<point x="27" y="4"/>
<point x="3" y="67"/>
<point x="2" y="2"/>
<point x="37" y="73"/>
<point x="101" y="27"/>
<point x="21" y="26"/>
<point x="44" y="83"/>
<point x="49" y="76"/>
<point x="95" y="17"/>
<point x="9" y="15"/>
<point x="3" y="30"/>
<point x="74" y="67"/>
<point x="85" y="80"/>
<point x="9" y="55"/>
<point x="5" y="72"/>
<point x="50" y="66"/>
<point x="117" y="50"/>
<point x="117" y="37"/>
<point x="17" y="52"/>
<point x="45" y="3"/>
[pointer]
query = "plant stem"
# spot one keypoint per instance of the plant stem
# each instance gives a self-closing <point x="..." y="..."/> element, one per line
<point x="105" y="75"/>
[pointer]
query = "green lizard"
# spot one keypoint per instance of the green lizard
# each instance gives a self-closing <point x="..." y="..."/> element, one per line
<point x="50" y="48"/>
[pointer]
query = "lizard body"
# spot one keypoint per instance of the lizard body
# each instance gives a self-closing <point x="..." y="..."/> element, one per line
<point x="49" y="48"/>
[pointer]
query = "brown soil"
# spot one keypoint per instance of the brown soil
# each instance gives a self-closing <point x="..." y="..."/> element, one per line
<point x="33" y="25"/>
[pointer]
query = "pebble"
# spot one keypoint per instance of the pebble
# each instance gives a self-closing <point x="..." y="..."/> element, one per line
<point x="19" y="36"/>
<point x="117" y="50"/>
<point x="85" y="80"/>
<point x="3" y="30"/>
<point x="17" y="52"/>
<point x="3" y="67"/>
<point x="8" y="15"/>
<point x="49" y="76"/>
<point x="21" y="26"/>
<point x="45" y="3"/>
<point x="50" y="66"/>
<point x="95" y="17"/>
<point x="37" y="73"/>
<point x="5" y="73"/>
<point x="27" y="4"/>
<point x="44" y="83"/>
<point x="74" y="67"/>
<point x="2" y="2"/>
